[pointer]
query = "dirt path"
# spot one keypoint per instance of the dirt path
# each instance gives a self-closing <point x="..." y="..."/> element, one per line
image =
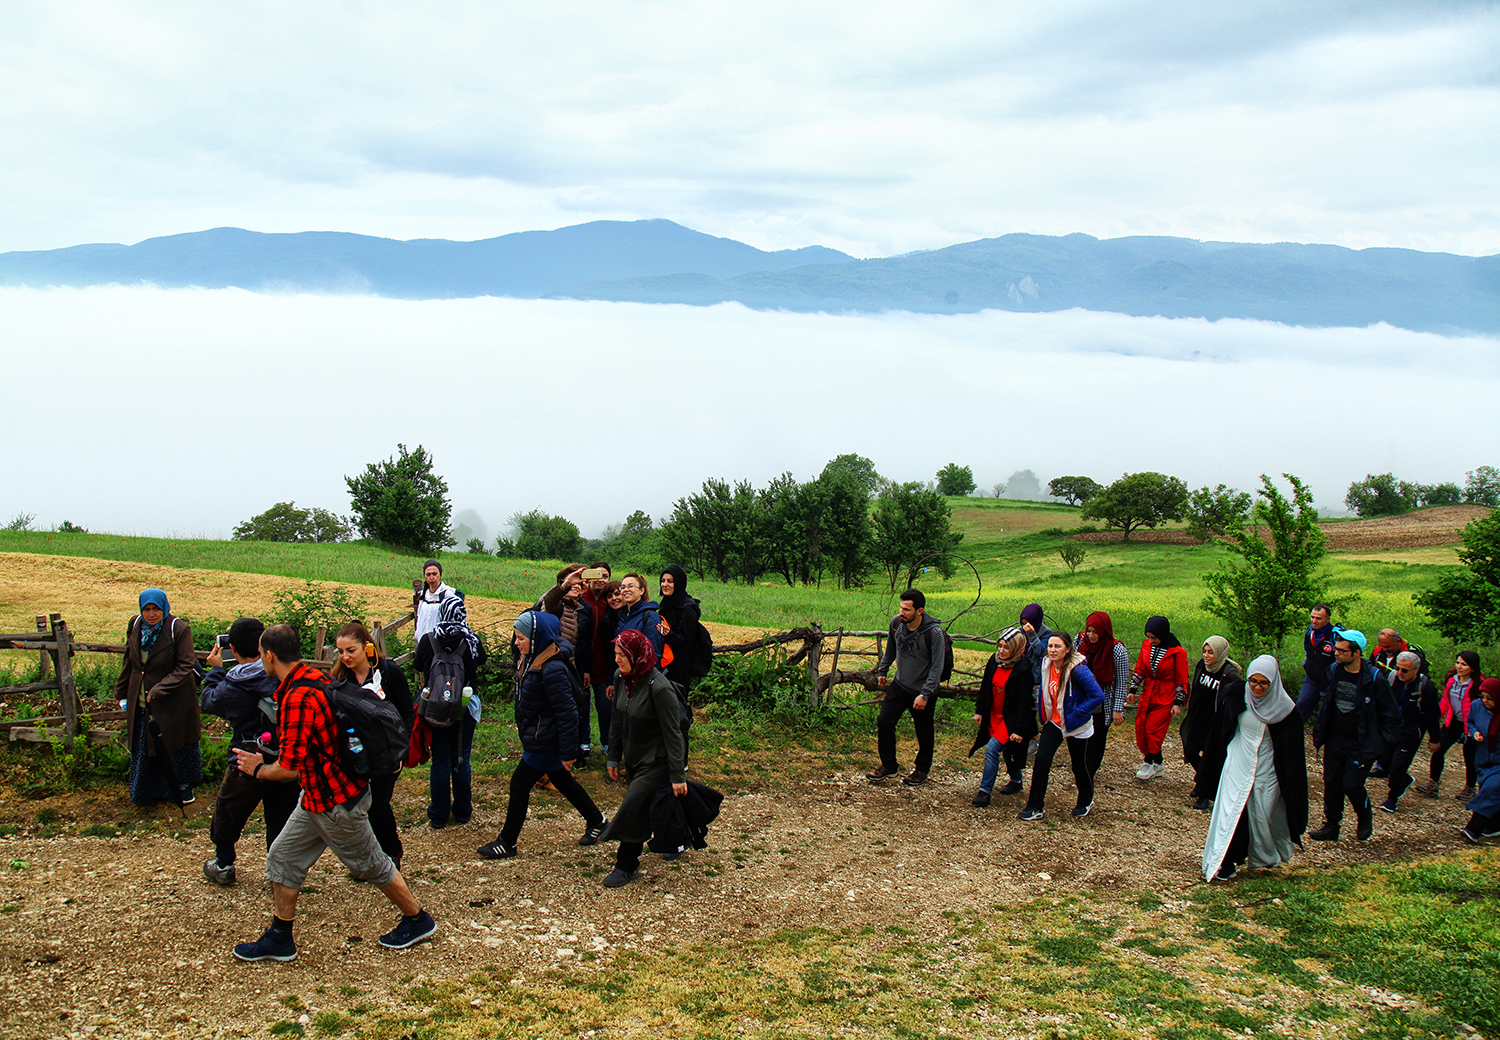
<point x="107" y="936"/>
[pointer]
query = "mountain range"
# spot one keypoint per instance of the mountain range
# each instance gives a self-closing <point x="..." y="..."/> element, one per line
<point x="658" y="261"/>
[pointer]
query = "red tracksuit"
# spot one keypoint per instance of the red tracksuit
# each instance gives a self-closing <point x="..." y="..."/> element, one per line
<point x="1161" y="687"/>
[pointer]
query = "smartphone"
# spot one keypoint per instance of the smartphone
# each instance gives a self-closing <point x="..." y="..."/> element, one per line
<point x="594" y="574"/>
<point x="225" y="650"/>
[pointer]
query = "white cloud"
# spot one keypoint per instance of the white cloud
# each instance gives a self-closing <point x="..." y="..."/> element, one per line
<point x="593" y="410"/>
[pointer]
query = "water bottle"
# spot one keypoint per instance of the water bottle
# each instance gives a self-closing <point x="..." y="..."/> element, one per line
<point x="356" y="746"/>
<point x="358" y="761"/>
<point x="468" y="693"/>
<point x="122" y="705"/>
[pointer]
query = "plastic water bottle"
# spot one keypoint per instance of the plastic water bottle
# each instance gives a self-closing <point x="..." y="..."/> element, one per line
<point x="122" y="705"/>
<point x="468" y="693"/>
<point x="356" y="746"/>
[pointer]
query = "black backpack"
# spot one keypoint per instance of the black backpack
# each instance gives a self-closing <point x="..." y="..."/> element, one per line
<point x="442" y="701"/>
<point x="947" y="656"/>
<point x="373" y="737"/>
<point x="702" y="644"/>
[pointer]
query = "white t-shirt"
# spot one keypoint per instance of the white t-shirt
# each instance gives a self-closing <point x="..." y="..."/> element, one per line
<point x="428" y="613"/>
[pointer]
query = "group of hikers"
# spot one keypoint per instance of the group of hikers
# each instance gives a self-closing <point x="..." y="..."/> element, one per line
<point x="322" y="752"/>
<point x="1241" y="730"/>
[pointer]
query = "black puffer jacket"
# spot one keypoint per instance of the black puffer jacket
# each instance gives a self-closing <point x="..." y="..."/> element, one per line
<point x="546" y="713"/>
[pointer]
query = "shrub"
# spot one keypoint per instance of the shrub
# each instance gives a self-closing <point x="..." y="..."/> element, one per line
<point x="1381" y="495"/>
<point x="312" y="605"/>
<point x="1465" y="604"/>
<point x="22" y="522"/>
<point x="284" y="522"/>
<point x="954" y="479"/>
<point x="762" y="685"/>
<point x="1072" y="554"/>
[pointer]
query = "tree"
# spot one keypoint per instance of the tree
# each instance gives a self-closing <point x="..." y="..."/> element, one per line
<point x="911" y="525"/>
<point x="954" y="479"/>
<point x="718" y="531"/>
<point x="1073" y="490"/>
<point x="402" y="502"/>
<point x="539" y="536"/>
<point x="1482" y="486"/>
<point x="844" y="522"/>
<point x="999" y="490"/>
<point x="1216" y="511"/>
<point x="1381" y="495"/>
<point x="284" y="522"/>
<point x="1444" y="494"/>
<point x="1139" y="500"/>
<point x="1023" y="483"/>
<point x="1072" y="554"/>
<point x="1465" y="604"/>
<point x="861" y="469"/>
<point x="1270" y="595"/>
<point x="475" y="546"/>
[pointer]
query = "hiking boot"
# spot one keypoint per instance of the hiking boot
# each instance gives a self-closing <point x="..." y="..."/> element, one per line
<point x="980" y="800"/>
<point x="497" y="849"/>
<point x="1389" y="805"/>
<point x="1430" y="788"/>
<point x="1366" y="827"/>
<point x="591" y="833"/>
<point x="1014" y="787"/>
<point x="1465" y="794"/>
<point x="1080" y="811"/>
<point x="1203" y="804"/>
<point x="267" y="949"/>
<point x="1327" y="832"/>
<point x="618" y="877"/>
<point x="217" y="874"/>
<point x="916" y="778"/>
<point x="1030" y="814"/>
<point x="875" y="775"/>
<point x="409" y="931"/>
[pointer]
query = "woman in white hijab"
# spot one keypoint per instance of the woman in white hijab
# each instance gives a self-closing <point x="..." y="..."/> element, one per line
<point x="1261" y="808"/>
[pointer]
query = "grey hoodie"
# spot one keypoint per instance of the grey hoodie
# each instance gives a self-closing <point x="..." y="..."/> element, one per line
<point x="918" y="655"/>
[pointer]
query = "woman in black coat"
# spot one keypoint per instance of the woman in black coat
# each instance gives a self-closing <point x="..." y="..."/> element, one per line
<point x="679" y="626"/>
<point x="547" y="720"/>
<point x="361" y="663"/>
<point x="1005" y="710"/>
<point x="1200" y="722"/>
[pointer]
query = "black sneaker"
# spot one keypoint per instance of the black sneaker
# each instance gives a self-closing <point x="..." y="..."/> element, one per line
<point x="1029" y="814"/>
<point x="1389" y="805"/>
<point x="186" y="796"/>
<point x="1226" y="872"/>
<point x="981" y="799"/>
<point x="1203" y="804"/>
<point x="591" y="833"/>
<point x="1366" y="828"/>
<point x="217" y="874"/>
<point x="1327" y="832"/>
<point x="1080" y="811"/>
<point x="617" y="877"/>
<point x="1468" y="836"/>
<point x="409" y="931"/>
<point x="1014" y="787"/>
<point x="267" y="949"/>
<point x="496" y="849"/>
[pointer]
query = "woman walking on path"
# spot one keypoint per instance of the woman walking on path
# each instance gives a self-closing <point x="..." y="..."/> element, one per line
<point x="450" y="787"/>
<point x="680" y="624"/>
<point x="1110" y="662"/>
<point x="1449" y="725"/>
<point x="1211" y="675"/>
<point x="646" y="742"/>
<point x="1258" y="753"/>
<point x="1006" y="713"/>
<point x="1484" y="729"/>
<point x="361" y="663"/>
<point x="1163" y="671"/>
<point x="159" y="685"/>
<point x="1067" y="701"/>
<point x="547" y="719"/>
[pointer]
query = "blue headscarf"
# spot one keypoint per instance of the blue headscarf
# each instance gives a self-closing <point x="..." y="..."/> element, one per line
<point x="152" y="598"/>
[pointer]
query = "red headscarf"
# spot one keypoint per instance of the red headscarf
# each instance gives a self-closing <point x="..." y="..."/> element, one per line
<point x="640" y="653"/>
<point x="1100" y="655"/>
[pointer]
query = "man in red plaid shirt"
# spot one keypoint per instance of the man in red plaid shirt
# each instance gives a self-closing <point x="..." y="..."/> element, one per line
<point x="333" y="813"/>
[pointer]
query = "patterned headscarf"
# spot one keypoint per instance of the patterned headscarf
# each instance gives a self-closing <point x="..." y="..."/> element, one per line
<point x="1013" y="640"/>
<point x="453" y="619"/>
<point x="1100" y="655"/>
<point x="152" y="598"/>
<point x="639" y="652"/>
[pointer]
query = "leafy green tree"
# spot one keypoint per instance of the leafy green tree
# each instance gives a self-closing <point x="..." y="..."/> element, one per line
<point x="1381" y="495"/>
<point x="1465" y="604"/>
<point x="911" y="525"/>
<point x="861" y="469"/>
<point x="1482" y="486"/>
<point x="954" y="479"/>
<point x="284" y="522"/>
<point x="1269" y="595"/>
<point x="1138" y="500"/>
<point x="1445" y="494"/>
<point x="475" y="546"/>
<point x="540" y="536"/>
<point x="401" y="501"/>
<point x="846" y="527"/>
<point x="1217" y="511"/>
<point x="717" y="531"/>
<point x="1073" y="490"/>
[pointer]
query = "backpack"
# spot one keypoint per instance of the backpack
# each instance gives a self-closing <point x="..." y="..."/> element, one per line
<point x="702" y="655"/>
<point x="947" y="656"/>
<point x="684" y="709"/>
<point x="372" y="734"/>
<point x="442" y="700"/>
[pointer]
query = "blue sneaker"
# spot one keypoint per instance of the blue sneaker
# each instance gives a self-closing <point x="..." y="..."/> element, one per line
<point x="267" y="948"/>
<point x="409" y="931"/>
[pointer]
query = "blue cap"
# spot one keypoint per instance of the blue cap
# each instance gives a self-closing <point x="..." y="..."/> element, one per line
<point x="1350" y="635"/>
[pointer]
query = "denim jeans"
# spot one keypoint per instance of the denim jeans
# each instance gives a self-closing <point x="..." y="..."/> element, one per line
<point x="602" y="705"/>
<point x="996" y="751"/>
<point x="450" y="783"/>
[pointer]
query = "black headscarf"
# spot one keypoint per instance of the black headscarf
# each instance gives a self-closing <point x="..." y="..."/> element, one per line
<point x="679" y="597"/>
<point x="1161" y="628"/>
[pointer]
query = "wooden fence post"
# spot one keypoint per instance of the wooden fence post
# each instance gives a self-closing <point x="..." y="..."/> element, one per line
<point x="67" y="689"/>
<point x="318" y="646"/>
<point x="44" y="662"/>
<point x="814" y="656"/>
<point x="838" y="644"/>
<point x="377" y="636"/>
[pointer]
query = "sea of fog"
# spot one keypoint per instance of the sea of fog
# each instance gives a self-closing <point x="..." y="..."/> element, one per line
<point x="184" y="412"/>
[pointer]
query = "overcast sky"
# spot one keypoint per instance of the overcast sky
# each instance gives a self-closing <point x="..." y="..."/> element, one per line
<point x="872" y="127"/>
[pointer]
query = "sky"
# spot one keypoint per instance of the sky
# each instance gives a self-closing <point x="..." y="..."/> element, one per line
<point x="876" y="128"/>
<point x="188" y="411"/>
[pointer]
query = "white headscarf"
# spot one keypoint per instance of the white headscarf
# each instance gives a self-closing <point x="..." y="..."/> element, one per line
<point x="1276" y="704"/>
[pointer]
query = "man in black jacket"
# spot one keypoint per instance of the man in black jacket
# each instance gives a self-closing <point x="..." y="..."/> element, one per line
<point x="1356" y="723"/>
<point x="1415" y="695"/>
<point x="918" y="648"/>
<point x="245" y="695"/>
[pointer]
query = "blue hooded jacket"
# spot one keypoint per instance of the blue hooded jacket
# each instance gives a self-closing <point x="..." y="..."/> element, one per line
<point x="546" y="713"/>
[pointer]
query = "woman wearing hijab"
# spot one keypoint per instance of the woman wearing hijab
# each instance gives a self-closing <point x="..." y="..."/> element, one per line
<point x="646" y="742"/>
<point x="1110" y="662"/>
<point x="360" y="662"/>
<point x="449" y="782"/>
<point x="1068" y="699"/>
<point x="1162" y="669"/>
<point x="1484" y="731"/>
<point x="1261" y="808"/>
<point x="547" y="719"/>
<point x="1200" y="719"/>
<point x="639" y="613"/>
<point x="159" y="683"/>
<point x="1034" y="624"/>
<point x="1006" y="714"/>
<point x="679" y="627"/>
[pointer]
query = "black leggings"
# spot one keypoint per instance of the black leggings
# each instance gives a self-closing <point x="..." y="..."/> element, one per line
<point x="1447" y="737"/>
<point x="382" y="818"/>
<point x="521" y="783"/>
<point x="1041" y="769"/>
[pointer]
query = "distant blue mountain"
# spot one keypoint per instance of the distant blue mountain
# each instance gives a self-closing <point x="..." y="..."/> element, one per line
<point x="658" y="261"/>
<point x="526" y="264"/>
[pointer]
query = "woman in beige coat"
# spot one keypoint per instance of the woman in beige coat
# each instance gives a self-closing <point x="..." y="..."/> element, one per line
<point x="159" y="685"/>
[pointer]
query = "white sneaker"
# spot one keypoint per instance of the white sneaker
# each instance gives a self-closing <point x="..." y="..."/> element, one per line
<point x="1146" y="772"/>
<point x="1158" y="769"/>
